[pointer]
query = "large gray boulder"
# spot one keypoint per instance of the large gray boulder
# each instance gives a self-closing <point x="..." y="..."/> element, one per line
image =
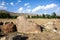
<point x="24" y="26"/>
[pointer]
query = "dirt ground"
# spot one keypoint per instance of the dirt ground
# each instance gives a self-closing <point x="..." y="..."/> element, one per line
<point x="38" y="21"/>
<point x="43" y="35"/>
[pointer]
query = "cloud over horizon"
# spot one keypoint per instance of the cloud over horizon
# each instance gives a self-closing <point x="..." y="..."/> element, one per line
<point x="20" y="10"/>
<point x="38" y="8"/>
<point x="49" y="6"/>
<point x="2" y="7"/>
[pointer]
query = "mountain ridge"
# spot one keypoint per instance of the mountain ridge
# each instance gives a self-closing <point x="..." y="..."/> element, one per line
<point x="15" y="14"/>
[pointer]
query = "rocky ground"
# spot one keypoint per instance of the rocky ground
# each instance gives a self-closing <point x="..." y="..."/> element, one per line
<point x="45" y="35"/>
<point x="38" y="36"/>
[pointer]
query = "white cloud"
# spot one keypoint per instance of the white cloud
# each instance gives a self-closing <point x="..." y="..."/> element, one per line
<point x="37" y="8"/>
<point x="2" y="7"/>
<point x="27" y="11"/>
<point x="20" y="10"/>
<point x="44" y="7"/>
<point x="26" y="4"/>
<point x="12" y="3"/>
<point x="45" y="13"/>
<point x="57" y="10"/>
<point x="50" y="6"/>
<point x="3" y="3"/>
<point x="19" y="1"/>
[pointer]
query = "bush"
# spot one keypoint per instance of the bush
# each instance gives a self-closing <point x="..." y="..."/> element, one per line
<point x="28" y="16"/>
<point x="13" y="17"/>
<point x="6" y="15"/>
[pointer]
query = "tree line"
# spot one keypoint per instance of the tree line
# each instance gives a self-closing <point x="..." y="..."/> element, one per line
<point x="53" y="15"/>
<point x="7" y="15"/>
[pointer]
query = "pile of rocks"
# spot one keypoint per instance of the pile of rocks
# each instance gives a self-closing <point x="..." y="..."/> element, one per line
<point x="50" y="26"/>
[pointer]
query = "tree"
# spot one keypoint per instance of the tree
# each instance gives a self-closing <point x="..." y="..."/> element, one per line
<point x="4" y="15"/>
<point x="34" y="17"/>
<point x="37" y="16"/>
<point x="43" y="15"/>
<point x="28" y="16"/>
<point x="58" y="17"/>
<point x="47" y="16"/>
<point x="53" y="15"/>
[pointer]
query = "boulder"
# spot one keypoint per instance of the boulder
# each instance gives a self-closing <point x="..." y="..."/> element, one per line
<point x="50" y="26"/>
<point x="1" y="23"/>
<point x="19" y="37"/>
<point x="25" y="26"/>
<point x="3" y="38"/>
<point x="8" y="28"/>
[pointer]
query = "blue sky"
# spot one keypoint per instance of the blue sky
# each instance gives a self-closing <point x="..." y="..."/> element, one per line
<point x="31" y="6"/>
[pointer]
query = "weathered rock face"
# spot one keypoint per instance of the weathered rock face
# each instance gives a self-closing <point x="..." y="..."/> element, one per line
<point x="50" y="26"/>
<point x="25" y="26"/>
<point x="10" y="27"/>
<point x="1" y="23"/>
<point x="3" y="38"/>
